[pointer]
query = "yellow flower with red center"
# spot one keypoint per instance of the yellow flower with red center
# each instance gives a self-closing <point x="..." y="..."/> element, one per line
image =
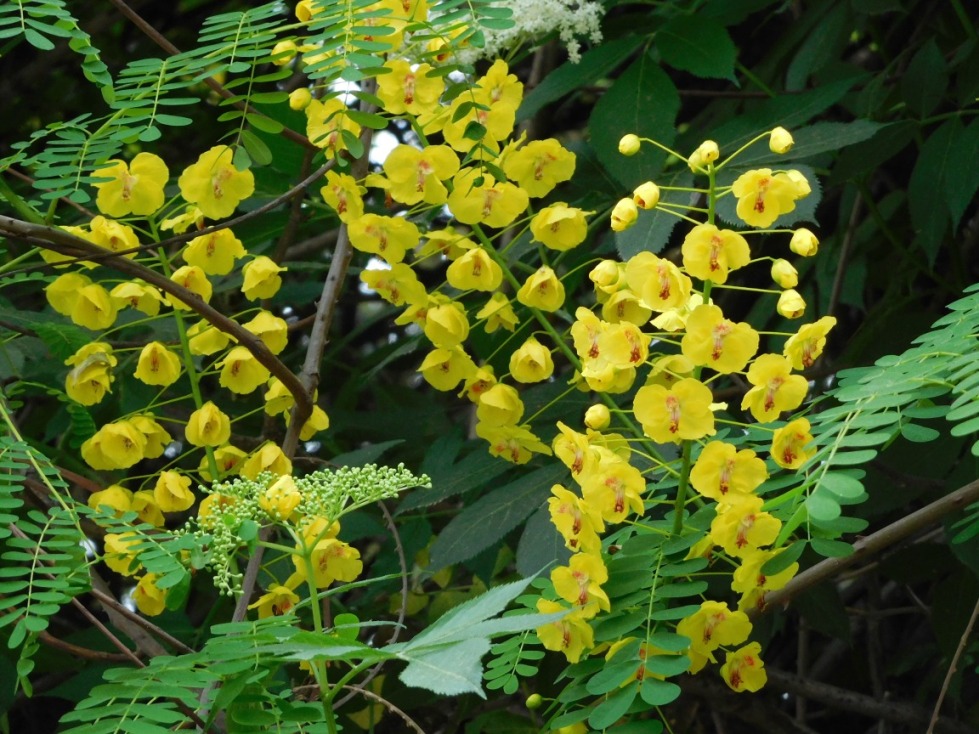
<point x="658" y="282"/>
<point x="157" y="365"/>
<point x="578" y="522"/>
<point x="624" y="305"/>
<point x="741" y="527"/>
<point x="343" y="195"/>
<point x="763" y="196"/>
<point x="326" y="121"/>
<point x="280" y="498"/>
<point x="580" y="582"/>
<point x="743" y="669"/>
<point x="571" y="634"/>
<point x="136" y="188"/>
<point x="137" y="294"/>
<point x="775" y="388"/>
<point x="387" y="237"/>
<point x="92" y="307"/>
<point x="272" y="330"/>
<point x="240" y="372"/>
<point x="497" y="313"/>
<point x="443" y="369"/>
<point x="539" y="166"/>
<point x="114" y="236"/>
<point x="499" y="87"/>
<point x="91" y="374"/>
<point x="214" y="184"/>
<point x="157" y="438"/>
<point x="146" y="509"/>
<point x="474" y="270"/>
<point x="500" y="406"/>
<point x="710" y="627"/>
<point x="214" y="253"/>
<point x="417" y="175"/>
<point x="208" y="426"/>
<point x="477" y="381"/>
<point x="116" y="445"/>
<point x="752" y="584"/>
<point x="804" y="347"/>
<point x="261" y="278"/>
<point x="789" y="444"/>
<point x="613" y="486"/>
<point x="446" y="242"/>
<point x="559" y="226"/>
<point x="468" y="111"/>
<point x="117" y="554"/>
<point x="515" y="444"/>
<point x="624" y="214"/>
<point x="722" y="471"/>
<point x="396" y="284"/>
<point x="193" y="279"/>
<point x="623" y="344"/>
<point x="206" y="339"/>
<point x="675" y="414"/>
<point x="172" y="492"/>
<point x="646" y="195"/>
<point x="574" y="450"/>
<point x="542" y="290"/>
<point x="275" y="602"/>
<point x="714" y="341"/>
<point x="150" y="599"/>
<point x="267" y="457"/>
<point x="409" y="90"/>
<point x="710" y="253"/>
<point x="228" y="459"/>
<point x="531" y="362"/>
<point x="332" y="560"/>
<point x="477" y="198"/>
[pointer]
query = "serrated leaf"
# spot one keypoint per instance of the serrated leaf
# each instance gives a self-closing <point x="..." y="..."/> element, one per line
<point x="926" y="192"/>
<point x="699" y="45"/>
<point x="925" y="79"/>
<point x="449" y="671"/>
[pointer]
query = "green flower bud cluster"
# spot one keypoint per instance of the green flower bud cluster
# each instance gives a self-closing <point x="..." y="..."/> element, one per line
<point x="330" y="494"/>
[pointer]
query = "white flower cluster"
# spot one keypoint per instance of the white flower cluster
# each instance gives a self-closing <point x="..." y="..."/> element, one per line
<point x="534" y="19"/>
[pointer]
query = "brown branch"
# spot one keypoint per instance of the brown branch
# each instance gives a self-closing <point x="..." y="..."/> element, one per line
<point x="872" y="544"/>
<point x="60" y="241"/>
<point x="160" y="40"/>
<point x="952" y="666"/>
<point x="85" y="653"/>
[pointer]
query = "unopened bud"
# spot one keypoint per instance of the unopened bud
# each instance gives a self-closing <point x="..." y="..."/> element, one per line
<point x="804" y="243"/>
<point x="780" y="141"/>
<point x="785" y="274"/>
<point x="597" y="417"/>
<point x="629" y="144"/>
<point x="707" y="152"/>
<point x="646" y="195"/>
<point x="299" y="99"/>
<point x="624" y="215"/>
<point x="790" y="304"/>
<point x="283" y="52"/>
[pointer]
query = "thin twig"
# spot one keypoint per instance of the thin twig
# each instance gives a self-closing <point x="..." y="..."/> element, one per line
<point x="851" y="228"/>
<point x="156" y="631"/>
<point x="85" y="653"/>
<point x="390" y="706"/>
<point x="952" y="667"/>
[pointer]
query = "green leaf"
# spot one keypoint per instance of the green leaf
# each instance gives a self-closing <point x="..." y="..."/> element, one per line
<point x="821" y="46"/>
<point x="448" y="671"/>
<point x="784" y="559"/>
<point x="925" y="80"/>
<point x="256" y="147"/>
<point x="842" y="485"/>
<point x="831" y="548"/>
<point x="822" y="506"/>
<point x="263" y="123"/>
<point x="918" y="434"/>
<point x="962" y="181"/>
<point x="613" y="707"/>
<point x="926" y="191"/>
<point x="699" y="45"/>
<point x="491" y="517"/>
<point x="37" y="40"/>
<point x="659" y="692"/>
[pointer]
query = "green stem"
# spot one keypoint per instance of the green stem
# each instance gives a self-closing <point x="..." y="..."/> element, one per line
<point x="319" y="666"/>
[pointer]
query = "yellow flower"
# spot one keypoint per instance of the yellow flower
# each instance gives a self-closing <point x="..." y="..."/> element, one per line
<point x="515" y="444"/>
<point x="785" y="274"/>
<point x="707" y="152"/>
<point x="804" y="243"/>
<point x="576" y="520"/>
<point x="91" y="373"/>
<point x="93" y="308"/>
<point x="113" y="235"/>
<point x="193" y="279"/>
<point x="741" y="527"/>
<point x="629" y="144"/>
<point x="624" y="214"/>
<point x="326" y="120"/>
<point x="172" y="492"/>
<point x="780" y="141"/>
<point x="228" y="459"/>
<point x="144" y="505"/>
<point x="267" y="457"/>
<point x="531" y="362"/>
<point x="446" y="325"/>
<point x="299" y="99"/>
<point x="417" y="175"/>
<point x="409" y="90"/>
<point x="612" y="486"/>
<point x="574" y="450"/>
<point x="446" y="242"/>
<point x="332" y="560"/>
<point x="721" y="470"/>
<point x="775" y="388"/>
<point x="710" y="253"/>
<point x="261" y="278"/>
<point x="280" y="498"/>
<point x="763" y="196"/>
<point x="646" y="195"/>
<point x="208" y="426"/>
<point x="214" y="253"/>
<point x="474" y="270"/>
<point x="388" y="237"/>
<point x="62" y="292"/>
<point x="749" y="581"/>
<point x="804" y="347"/>
<point x="597" y="417"/>
<point x="542" y="290"/>
<point x="206" y="339"/>
<point x="272" y="330"/>
<point x="343" y="195"/>
<point x="539" y="166"/>
<point x="624" y="305"/>
<point x="134" y="189"/>
<point x="789" y="444"/>
<point x="443" y="369"/>
<point x="496" y="120"/>
<point x="716" y="342"/>
<point x="571" y="634"/>
<point x="318" y="421"/>
<point x="559" y="226"/>
<point x="157" y="365"/>
<point x="397" y="284"/>
<point x="284" y="52"/>
<point x="676" y="414"/>
<point x="115" y="497"/>
<point x="499" y="87"/>
<point x="278" y="600"/>
<point x="191" y="216"/>
<point x="658" y="282"/>
<point x="497" y="313"/>
<point x="214" y="184"/>
<point x="478" y="381"/>
<point x="790" y="304"/>
<point x="117" y="554"/>
<point x="240" y="372"/>
<point x="150" y="599"/>
<point x="137" y="294"/>
<point x="116" y="445"/>
<point x="580" y="582"/>
<point x="495" y="204"/>
<point x="500" y="406"/>
<point x="744" y="670"/>
<point x="157" y="439"/>
<point x="710" y="627"/>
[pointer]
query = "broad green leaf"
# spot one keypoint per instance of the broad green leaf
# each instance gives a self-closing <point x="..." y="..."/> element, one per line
<point x="962" y="181"/>
<point x="823" y="44"/>
<point x="613" y="708"/>
<point x="926" y="192"/>
<point x="659" y="692"/>
<point x="831" y="548"/>
<point x="541" y="545"/>
<point x="925" y="79"/>
<point x="448" y="671"/>
<point x="256" y="147"/>
<point x="699" y="45"/>
<point x="263" y="123"/>
<point x="822" y="506"/>
<point x="842" y="485"/>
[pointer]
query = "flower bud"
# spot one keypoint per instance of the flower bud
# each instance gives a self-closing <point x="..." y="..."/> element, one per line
<point x="804" y="243"/>
<point x="531" y="362"/>
<point x="707" y="152"/>
<point x="534" y="701"/>
<point x="283" y="52"/>
<point x="624" y="215"/>
<point x="790" y="304"/>
<point x="629" y="144"/>
<point x="597" y="417"/>
<point x="281" y="498"/>
<point x="646" y="196"/>
<point x="299" y="99"/>
<point x="785" y="274"/>
<point x="780" y="141"/>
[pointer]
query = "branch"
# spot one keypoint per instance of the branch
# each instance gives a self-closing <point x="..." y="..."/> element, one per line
<point x="60" y="241"/>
